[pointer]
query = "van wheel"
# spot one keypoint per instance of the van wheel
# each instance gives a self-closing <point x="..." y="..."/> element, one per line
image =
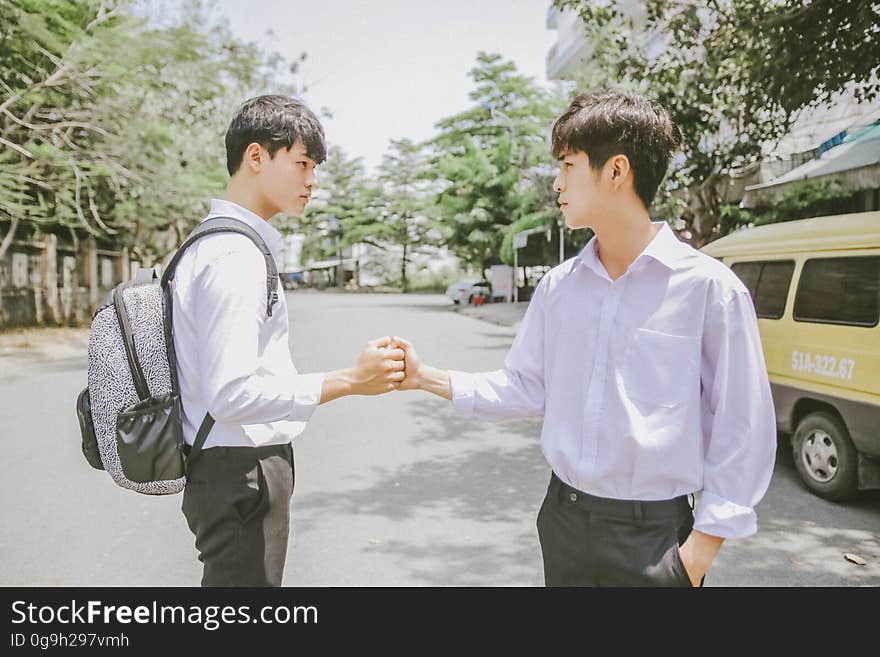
<point x="825" y="457"/>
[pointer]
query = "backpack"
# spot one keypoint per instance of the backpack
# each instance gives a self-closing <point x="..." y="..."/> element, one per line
<point x="130" y="413"/>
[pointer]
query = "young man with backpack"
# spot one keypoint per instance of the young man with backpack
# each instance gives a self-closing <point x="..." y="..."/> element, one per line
<point x="643" y="356"/>
<point x="233" y="358"/>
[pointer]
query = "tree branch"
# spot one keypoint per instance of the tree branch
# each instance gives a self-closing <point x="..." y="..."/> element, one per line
<point x="8" y="239"/>
<point x="95" y="215"/>
<point x="381" y="247"/>
<point x="103" y="16"/>
<point x="79" y="212"/>
<point x="53" y="126"/>
<point x="16" y="147"/>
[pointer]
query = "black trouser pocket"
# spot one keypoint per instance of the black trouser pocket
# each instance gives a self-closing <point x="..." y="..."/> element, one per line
<point x="252" y="499"/>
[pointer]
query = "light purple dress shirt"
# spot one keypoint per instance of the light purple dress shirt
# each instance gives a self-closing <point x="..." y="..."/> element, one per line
<point x="651" y="386"/>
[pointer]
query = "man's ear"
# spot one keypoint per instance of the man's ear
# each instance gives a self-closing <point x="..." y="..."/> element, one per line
<point x="253" y="157"/>
<point x="619" y="169"/>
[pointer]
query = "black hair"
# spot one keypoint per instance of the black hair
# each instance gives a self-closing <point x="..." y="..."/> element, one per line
<point x="274" y="122"/>
<point x="609" y="122"/>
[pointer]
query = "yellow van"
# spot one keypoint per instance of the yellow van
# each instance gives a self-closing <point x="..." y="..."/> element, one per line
<point x="815" y="284"/>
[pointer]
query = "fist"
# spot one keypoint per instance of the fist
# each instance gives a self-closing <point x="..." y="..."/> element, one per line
<point x="379" y="368"/>
<point x="412" y="364"/>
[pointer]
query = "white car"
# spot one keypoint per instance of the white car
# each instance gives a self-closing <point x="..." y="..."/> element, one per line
<point x="465" y="291"/>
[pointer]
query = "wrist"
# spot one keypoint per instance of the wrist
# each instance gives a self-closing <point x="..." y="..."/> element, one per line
<point x="423" y="377"/>
<point x="701" y="549"/>
<point x="435" y="381"/>
<point x="338" y="383"/>
<point x="350" y="381"/>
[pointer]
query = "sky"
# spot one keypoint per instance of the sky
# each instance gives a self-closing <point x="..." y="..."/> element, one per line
<point x="390" y="69"/>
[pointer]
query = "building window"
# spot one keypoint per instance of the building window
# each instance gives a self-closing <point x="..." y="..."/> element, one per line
<point x="839" y="291"/>
<point x="768" y="283"/>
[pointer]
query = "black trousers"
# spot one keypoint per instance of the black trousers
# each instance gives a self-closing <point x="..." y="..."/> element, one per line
<point x="237" y="504"/>
<point x="594" y="541"/>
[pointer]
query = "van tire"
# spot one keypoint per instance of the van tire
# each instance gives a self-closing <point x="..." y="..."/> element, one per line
<point x="825" y="457"/>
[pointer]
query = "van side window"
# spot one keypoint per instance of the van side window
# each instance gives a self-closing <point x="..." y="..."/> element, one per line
<point x="773" y="289"/>
<point x="768" y="283"/>
<point x="748" y="273"/>
<point x="839" y="291"/>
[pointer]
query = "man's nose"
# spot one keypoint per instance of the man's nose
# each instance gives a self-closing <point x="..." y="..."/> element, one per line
<point x="557" y="185"/>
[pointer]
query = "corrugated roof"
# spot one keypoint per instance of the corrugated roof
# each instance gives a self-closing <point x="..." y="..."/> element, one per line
<point x="854" y="154"/>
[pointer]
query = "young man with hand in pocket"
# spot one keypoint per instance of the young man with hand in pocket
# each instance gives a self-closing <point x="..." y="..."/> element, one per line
<point x="643" y="356"/>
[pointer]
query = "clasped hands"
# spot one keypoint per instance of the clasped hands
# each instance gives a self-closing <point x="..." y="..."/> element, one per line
<point x="386" y="364"/>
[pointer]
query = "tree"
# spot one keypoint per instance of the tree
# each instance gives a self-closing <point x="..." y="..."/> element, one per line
<point x="734" y="74"/>
<point x="53" y="59"/>
<point x="483" y="158"/>
<point x="403" y="220"/>
<point x="341" y="212"/>
<point x="111" y="127"/>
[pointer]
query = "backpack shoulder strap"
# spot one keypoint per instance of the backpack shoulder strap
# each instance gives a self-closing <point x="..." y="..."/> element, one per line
<point x="229" y="225"/>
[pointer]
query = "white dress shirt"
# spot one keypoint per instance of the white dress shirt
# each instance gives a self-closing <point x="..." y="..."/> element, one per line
<point x="651" y="386"/>
<point x="232" y="359"/>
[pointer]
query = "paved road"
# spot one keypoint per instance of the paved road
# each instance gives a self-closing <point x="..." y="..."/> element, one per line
<point x="396" y="490"/>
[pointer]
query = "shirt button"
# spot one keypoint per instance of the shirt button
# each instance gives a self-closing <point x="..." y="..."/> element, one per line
<point x="573" y="497"/>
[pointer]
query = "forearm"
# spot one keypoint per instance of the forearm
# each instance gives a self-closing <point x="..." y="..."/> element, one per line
<point x="435" y="381"/>
<point x="338" y="383"/>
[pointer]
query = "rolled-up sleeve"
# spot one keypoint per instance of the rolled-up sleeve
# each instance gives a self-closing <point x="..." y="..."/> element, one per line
<point x="518" y="389"/>
<point x="230" y="302"/>
<point x="738" y="419"/>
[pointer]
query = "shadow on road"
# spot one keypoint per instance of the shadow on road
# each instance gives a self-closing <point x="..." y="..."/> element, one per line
<point x="477" y="477"/>
<point x="478" y="480"/>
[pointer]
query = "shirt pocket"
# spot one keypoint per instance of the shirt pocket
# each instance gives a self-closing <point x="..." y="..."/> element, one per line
<point x="659" y="369"/>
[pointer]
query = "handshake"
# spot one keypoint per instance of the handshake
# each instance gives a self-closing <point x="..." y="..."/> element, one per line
<point x="386" y="364"/>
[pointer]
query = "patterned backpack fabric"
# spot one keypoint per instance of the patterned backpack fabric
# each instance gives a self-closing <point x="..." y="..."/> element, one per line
<point x="130" y="413"/>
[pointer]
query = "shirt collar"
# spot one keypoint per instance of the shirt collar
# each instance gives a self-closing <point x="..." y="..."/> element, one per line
<point x="270" y="235"/>
<point x="665" y="248"/>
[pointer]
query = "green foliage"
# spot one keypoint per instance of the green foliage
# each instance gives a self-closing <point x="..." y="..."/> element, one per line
<point x="487" y="169"/>
<point x="802" y="200"/>
<point x="521" y="224"/>
<point x="388" y="211"/>
<point x="808" y="198"/>
<point x="403" y="203"/>
<point x="342" y="212"/>
<point x="113" y="127"/>
<point x="733" y="74"/>
<point x="734" y="217"/>
<point x="492" y="161"/>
